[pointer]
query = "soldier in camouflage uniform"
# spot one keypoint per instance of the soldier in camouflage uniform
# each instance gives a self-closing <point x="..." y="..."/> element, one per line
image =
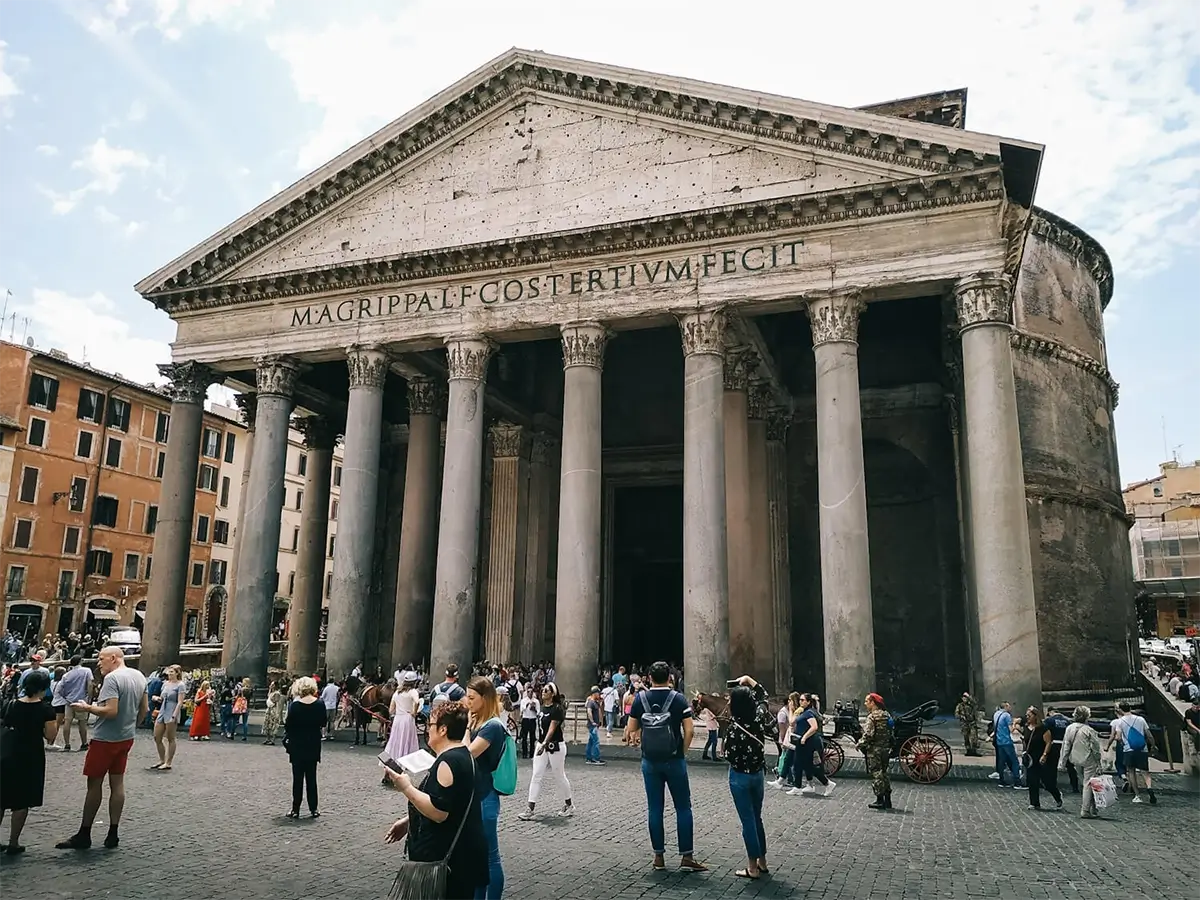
<point x="876" y="747"/>
<point x="967" y="714"/>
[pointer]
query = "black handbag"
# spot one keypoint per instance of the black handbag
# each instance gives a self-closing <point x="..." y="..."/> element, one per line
<point x="427" y="880"/>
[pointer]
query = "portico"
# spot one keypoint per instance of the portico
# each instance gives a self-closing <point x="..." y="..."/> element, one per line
<point x="627" y="289"/>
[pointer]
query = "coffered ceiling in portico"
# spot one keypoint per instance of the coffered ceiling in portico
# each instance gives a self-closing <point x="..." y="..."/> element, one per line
<point x="532" y="144"/>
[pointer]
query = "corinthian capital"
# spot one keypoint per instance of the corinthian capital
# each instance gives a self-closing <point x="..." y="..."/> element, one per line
<point x="739" y="360"/>
<point x="425" y="397"/>
<point x="467" y="358"/>
<point x="703" y="331"/>
<point x="983" y="299"/>
<point x="368" y="365"/>
<point x="189" y="381"/>
<point x="276" y="375"/>
<point x="835" y="318"/>
<point x="758" y="399"/>
<point x="583" y="344"/>
<point x="248" y="404"/>
<point x="318" y="433"/>
<point x="506" y="440"/>
<point x="778" y="422"/>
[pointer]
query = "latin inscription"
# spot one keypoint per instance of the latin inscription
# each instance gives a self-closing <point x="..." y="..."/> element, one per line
<point x="427" y="301"/>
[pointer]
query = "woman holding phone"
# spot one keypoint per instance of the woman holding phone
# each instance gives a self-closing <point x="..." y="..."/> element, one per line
<point x="551" y="753"/>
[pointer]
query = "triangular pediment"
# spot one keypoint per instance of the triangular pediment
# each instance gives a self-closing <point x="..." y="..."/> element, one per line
<point x="533" y="144"/>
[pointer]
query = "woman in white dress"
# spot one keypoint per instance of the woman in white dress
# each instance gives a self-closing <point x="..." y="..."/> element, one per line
<point x="403" y="737"/>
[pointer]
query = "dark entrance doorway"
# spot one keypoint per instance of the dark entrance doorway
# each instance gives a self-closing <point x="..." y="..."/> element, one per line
<point x="647" y="573"/>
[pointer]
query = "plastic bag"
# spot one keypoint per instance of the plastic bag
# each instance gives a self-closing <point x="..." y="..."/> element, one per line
<point x="1104" y="790"/>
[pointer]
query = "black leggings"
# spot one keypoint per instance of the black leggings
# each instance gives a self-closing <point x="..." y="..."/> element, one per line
<point x="1042" y="776"/>
<point x="304" y="774"/>
<point x="528" y="737"/>
<point x="811" y="762"/>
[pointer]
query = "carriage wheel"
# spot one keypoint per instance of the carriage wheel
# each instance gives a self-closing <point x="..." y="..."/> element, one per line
<point x="832" y="758"/>
<point x="925" y="758"/>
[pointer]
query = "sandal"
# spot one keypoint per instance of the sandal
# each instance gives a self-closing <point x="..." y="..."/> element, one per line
<point x="154" y="768"/>
<point x="745" y="873"/>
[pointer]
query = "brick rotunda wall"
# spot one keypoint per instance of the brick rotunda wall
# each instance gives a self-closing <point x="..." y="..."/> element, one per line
<point x="1065" y="398"/>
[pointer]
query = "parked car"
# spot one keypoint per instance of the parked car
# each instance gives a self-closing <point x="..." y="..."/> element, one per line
<point x="128" y="638"/>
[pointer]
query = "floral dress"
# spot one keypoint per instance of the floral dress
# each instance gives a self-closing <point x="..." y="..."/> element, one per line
<point x="276" y="709"/>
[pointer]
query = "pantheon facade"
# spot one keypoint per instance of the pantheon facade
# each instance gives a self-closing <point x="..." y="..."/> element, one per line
<point x="629" y="367"/>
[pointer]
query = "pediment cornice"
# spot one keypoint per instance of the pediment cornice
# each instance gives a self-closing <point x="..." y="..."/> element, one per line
<point x="854" y="134"/>
<point x="708" y="225"/>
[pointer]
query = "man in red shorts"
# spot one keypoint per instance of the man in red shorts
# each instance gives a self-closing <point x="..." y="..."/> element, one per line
<point x="120" y="705"/>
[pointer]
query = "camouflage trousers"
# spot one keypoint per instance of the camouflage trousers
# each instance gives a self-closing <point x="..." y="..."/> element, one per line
<point x="970" y="734"/>
<point x="877" y="768"/>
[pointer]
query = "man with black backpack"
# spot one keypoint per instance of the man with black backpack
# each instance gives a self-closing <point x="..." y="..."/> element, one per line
<point x="662" y="719"/>
<point x="448" y="690"/>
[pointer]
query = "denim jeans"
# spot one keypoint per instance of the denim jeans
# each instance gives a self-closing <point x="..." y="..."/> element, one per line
<point x="747" y="791"/>
<point x="1006" y="759"/>
<point x="490" y="807"/>
<point x="592" y="753"/>
<point x="672" y="775"/>
<point x="611" y="717"/>
<point x="236" y="719"/>
<point x="710" y="745"/>
<point x="227" y="718"/>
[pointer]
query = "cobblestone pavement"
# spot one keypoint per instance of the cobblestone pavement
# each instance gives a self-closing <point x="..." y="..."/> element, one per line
<point x="214" y="828"/>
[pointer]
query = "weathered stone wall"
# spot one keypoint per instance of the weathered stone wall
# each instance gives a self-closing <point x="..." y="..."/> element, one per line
<point x="1065" y="398"/>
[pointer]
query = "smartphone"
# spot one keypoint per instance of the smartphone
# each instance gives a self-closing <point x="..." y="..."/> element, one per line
<point x="732" y="683"/>
<point x="390" y="763"/>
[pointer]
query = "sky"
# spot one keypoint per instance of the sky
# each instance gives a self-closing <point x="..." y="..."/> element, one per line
<point x="130" y="130"/>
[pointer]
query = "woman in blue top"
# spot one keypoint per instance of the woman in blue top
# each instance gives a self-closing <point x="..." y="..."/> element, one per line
<point x="488" y="736"/>
<point x="810" y="748"/>
<point x="170" y="697"/>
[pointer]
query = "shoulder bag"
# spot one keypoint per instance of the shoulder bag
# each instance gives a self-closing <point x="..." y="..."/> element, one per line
<point x="427" y="880"/>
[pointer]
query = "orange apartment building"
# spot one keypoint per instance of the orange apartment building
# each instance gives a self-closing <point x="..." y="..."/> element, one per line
<point x="85" y="450"/>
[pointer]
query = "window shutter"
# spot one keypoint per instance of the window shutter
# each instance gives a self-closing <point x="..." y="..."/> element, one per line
<point x="52" y="403"/>
<point x="79" y="409"/>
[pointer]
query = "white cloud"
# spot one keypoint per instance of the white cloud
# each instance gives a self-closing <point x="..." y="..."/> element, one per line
<point x="47" y="150"/>
<point x="95" y="328"/>
<point x="1104" y="85"/>
<point x="106" y="165"/>
<point x="171" y="18"/>
<point x="8" y="85"/>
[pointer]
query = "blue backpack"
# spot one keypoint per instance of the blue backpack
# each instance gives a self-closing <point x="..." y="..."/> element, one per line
<point x="1134" y="739"/>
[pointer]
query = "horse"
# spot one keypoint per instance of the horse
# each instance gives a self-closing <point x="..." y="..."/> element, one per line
<point x="372" y="701"/>
<point x="718" y="705"/>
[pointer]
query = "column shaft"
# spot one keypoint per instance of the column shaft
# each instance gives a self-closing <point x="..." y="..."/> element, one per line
<point x="247" y="403"/>
<point x="781" y="572"/>
<point x="705" y="555"/>
<point x="577" y="619"/>
<point x="413" y="629"/>
<point x="259" y="537"/>
<point x="456" y="573"/>
<point x="177" y="506"/>
<point x="845" y="562"/>
<point x="1008" y="632"/>
<point x="738" y="515"/>
<point x="509" y="542"/>
<point x="762" y="612"/>
<point x="537" y="557"/>
<point x="304" y="615"/>
<point x="349" y="600"/>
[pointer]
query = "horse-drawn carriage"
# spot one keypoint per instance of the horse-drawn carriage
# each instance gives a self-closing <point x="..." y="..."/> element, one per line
<point x="924" y="758"/>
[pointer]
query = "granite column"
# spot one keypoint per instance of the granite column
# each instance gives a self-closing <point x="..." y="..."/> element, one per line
<point x="705" y="554"/>
<point x="577" y="619"/>
<point x="842" y="496"/>
<point x="177" y="506"/>
<point x="737" y="511"/>
<point x="456" y="578"/>
<point x="304" y="616"/>
<point x="247" y="403"/>
<point x="762" y="612"/>
<point x="999" y="528"/>
<point x="778" y="421"/>
<point x="537" y="556"/>
<point x="505" y="608"/>
<point x="349" y="600"/>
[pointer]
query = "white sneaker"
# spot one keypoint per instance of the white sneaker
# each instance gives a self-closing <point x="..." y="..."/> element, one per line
<point x="829" y="787"/>
<point x="794" y="792"/>
<point x="777" y="783"/>
<point x="995" y="776"/>
<point x="567" y="812"/>
<point x="1138" y="799"/>
<point x="808" y="789"/>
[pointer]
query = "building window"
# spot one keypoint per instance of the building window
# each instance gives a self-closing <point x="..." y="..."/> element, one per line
<point x="43" y="392"/>
<point x="291" y="583"/>
<point x="230" y="442"/>
<point x="23" y="534"/>
<point x="295" y="539"/>
<point x="160" y="465"/>
<point x="71" y="540"/>
<point x="224" y="501"/>
<point x="220" y="532"/>
<point x="217" y="571"/>
<point x="1176" y="570"/>
<point x="78" y="496"/>
<point x="162" y="428"/>
<point x="328" y="584"/>
<point x="333" y="511"/>
<point x="83" y="446"/>
<point x="149" y="564"/>
<point x="208" y="478"/>
<point x="104" y="511"/>
<point x="151" y="518"/>
<point x="1181" y="609"/>
<point x="201" y="529"/>
<point x="1158" y="490"/>
<point x="99" y="562"/>
<point x="332" y="540"/>
<point x="302" y="465"/>
<point x="210" y="444"/>
<point x="276" y="588"/>
<point x="118" y="414"/>
<point x="337" y="476"/>
<point x="66" y="584"/>
<point x="112" y="453"/>
<point x="299" y="499"/>
<point x="91" y="406"/>
<point x="1172" y="547"/>
<point x="29" y="484"/>
<point x="14" y="585"/>
<point x="133" y="562"/>
<point x="35" y="436"/>
<point x="197" y="574"/>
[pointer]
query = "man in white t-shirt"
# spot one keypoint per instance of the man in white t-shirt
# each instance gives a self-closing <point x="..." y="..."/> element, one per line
<point x="1136" y="743"/>
<point x="609" y="697"/>
<point x="329" y="696"/>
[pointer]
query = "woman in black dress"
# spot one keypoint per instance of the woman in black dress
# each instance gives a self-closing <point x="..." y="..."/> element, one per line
<point x="33" y="724"/>
<point x="448" y="798"/>
<point x="302" y="740"/>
